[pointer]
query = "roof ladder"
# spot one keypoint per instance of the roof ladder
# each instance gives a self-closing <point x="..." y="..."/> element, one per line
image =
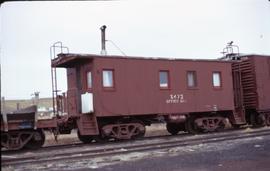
<point x="55" y="49"/>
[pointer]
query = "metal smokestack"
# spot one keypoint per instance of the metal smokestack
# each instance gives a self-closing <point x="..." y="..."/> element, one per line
<point x="103" y="40"/>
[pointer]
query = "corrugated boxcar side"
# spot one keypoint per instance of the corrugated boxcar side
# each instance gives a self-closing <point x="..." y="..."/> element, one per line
<point x="262" y="74"/>
<point x="248" y="81"/>
<point x="137" y="88"/>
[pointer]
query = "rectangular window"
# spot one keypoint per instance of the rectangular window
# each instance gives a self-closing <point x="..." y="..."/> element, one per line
<point x="108" y="78"/>
<point x="217" y="79"/>
<point x="191" y="79"/>
<point x="164" y="79"/>
<point x="89" y="79"/>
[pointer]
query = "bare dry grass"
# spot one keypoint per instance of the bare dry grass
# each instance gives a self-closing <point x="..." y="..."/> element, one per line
<point x="11" y="105"/>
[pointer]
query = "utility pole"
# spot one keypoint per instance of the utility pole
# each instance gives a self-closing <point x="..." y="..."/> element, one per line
<point x="1" y="109"/>
<point x="35" y="99"/>
<point x="3" y="105"/>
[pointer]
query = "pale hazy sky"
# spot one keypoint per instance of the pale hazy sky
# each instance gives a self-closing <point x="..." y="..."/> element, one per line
<point x="154" y="28"/>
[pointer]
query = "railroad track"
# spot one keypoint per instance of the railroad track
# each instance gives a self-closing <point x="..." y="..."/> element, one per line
<point x="123" y="148"/>
<point x="82" y="145"/>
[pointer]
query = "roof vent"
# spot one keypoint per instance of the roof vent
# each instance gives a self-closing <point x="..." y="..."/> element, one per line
<point x="103" y="40"/>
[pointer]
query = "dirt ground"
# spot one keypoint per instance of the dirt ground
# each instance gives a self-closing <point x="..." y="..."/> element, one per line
<point x="250" y="153"/>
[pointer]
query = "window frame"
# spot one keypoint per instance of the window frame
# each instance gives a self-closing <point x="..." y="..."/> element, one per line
<point x="113" y="79"/>
<point x="268" y="61"/>
<point x="168" y="80"/>
<point x="220" y="79"/>
<point x="86" y="80"/>
<point x="195" y="86"/>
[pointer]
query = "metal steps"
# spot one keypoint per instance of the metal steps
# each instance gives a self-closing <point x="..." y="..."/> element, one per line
<point x="87" y="124"/>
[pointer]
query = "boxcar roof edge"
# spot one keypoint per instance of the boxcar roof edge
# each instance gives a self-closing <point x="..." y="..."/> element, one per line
<point x="69" y="59"/>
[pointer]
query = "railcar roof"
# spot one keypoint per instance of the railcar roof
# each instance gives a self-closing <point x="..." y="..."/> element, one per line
<point x="243" y="55"/>
<point x="253" y="54"/>
<point x="69" y="59"/>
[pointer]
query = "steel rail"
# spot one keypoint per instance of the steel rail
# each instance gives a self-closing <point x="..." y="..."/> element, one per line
<point x="80" y="144"/>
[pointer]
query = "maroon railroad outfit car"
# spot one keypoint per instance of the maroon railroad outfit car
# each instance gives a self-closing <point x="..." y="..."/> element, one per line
<point x="116" y="97"/>
<point x="128" y="93"/>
